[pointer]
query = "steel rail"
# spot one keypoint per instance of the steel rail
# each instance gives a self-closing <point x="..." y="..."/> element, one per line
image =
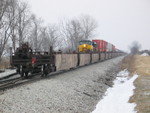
<point x="8" y="76"/>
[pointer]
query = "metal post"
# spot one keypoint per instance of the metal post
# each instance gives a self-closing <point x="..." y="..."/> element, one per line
<point x="10" y="56"/>
<point x="51" y="50"/>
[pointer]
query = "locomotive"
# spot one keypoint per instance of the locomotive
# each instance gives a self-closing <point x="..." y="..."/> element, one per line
<point x="28" y="61"/>
<point x="87" y="46"/>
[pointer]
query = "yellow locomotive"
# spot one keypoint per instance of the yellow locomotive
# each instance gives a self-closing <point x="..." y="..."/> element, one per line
<point x="87" y="46"/>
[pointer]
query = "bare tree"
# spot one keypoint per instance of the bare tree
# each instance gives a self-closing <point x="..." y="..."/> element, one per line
<point x="14" y="23"/>
<point x="4" y="35"/>
<point x="4" y="24"/>
<point x="35" y="36"/>
<point x="12" y="18"/>
<point x="88" y="26"/>
<point x="135" y="47"/>
<point x="76" y="30"/>
<point x="4" y="4"/>
<point x="24" y="19"/>
<point x="71" y="32"/>
<point x="51" y="37"/>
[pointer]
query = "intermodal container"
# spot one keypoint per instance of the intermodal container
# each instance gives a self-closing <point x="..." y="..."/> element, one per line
<point x="113" y="48"/>
<point x="109" y="47"/>
<point x="101" y="45"/>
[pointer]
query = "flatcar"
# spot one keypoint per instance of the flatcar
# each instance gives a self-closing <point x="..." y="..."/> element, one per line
<point x="26" y="61"/>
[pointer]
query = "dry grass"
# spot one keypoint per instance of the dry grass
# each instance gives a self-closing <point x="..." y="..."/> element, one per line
<point x="141" y="66"/>
<point x="127" y="63"/>
<point x="142" y="94"/>
<point x="4" y="64"/>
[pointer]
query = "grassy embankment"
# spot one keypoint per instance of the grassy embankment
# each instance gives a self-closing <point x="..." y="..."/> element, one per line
<point x="141" y="66"/>
<point x="4" y="64"/>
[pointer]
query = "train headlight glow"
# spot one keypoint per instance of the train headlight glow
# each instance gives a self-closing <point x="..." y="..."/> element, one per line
<point x="84" y="45"/>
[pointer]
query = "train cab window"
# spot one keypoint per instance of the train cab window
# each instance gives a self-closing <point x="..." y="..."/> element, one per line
<point x="94" y="44"/>
<point x="85" y="42"/>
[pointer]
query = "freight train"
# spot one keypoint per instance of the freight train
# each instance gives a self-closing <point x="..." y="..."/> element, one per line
<point x="95" y="46"/>
<point x="27" y="61"/>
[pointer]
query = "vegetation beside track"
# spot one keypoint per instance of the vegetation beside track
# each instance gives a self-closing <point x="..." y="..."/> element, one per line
<point x="139" y="65"/>
<point x="4" y="64"/>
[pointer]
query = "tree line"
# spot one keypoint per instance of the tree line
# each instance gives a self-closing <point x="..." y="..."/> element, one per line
<point x="19" y="25"/>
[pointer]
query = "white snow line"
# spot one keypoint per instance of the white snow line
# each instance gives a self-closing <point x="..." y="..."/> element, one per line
<point x="7" y="72"/>
<point x="116" y="98"/>
<point x="145" y="54"/>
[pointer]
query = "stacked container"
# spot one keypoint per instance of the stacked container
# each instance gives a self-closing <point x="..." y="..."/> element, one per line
<point x="104" y="46"/>
<point x="101" y="45"/>
<point x="113" y="48"/>
<point x="109" y="47"/>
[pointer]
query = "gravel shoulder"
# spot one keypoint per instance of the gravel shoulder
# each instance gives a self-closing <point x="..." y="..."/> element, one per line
<point x="76" y="91"/>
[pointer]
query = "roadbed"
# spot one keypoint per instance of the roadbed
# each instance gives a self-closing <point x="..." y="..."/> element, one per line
<point x="76" y="91"/>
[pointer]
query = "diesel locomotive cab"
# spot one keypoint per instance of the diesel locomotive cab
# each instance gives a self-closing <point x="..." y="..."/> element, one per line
<point x="94" y="46"/>
<point x="87" y="46"/>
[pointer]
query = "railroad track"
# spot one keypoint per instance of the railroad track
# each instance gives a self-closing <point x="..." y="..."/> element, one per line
<point x="14" y="82"/>
<point x="8" y="83"/>
<point x="8" y="76"/>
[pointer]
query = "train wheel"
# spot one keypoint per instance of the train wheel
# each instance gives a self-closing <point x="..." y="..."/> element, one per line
<point x="26" y="74"/>
<point x="21" y="71"/>
<point x="22" y="74"/>
<point x="44" y="70"/>
<point x="18" y="70"/>
<point x="54" y="68"/>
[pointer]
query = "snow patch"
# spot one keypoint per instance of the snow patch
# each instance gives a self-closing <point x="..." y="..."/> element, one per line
<point x="116" y="98"/>
<point x="145" y="54"/>
<point x="7" y="72"/>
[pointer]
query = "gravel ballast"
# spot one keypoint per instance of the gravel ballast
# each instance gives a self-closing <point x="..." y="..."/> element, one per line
<point x="76" y="91"/>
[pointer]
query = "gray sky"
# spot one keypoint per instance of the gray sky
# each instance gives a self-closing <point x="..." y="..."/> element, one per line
<point x="120" y="21"/>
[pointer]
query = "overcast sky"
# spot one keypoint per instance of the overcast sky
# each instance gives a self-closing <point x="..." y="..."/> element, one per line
<point x="120" y="21"/>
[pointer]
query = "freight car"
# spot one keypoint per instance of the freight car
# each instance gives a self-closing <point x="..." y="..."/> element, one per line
<point x="26" y="61"/>
<point x="103" y="46"/>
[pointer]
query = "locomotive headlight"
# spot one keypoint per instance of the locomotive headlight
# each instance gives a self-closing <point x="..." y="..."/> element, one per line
<point x="84" y="45"/>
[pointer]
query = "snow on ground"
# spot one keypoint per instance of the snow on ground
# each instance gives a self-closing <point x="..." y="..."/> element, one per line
<point x="117" y="97"/>
<point x="7" y="72"/>
<point x="145" y="54"/>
